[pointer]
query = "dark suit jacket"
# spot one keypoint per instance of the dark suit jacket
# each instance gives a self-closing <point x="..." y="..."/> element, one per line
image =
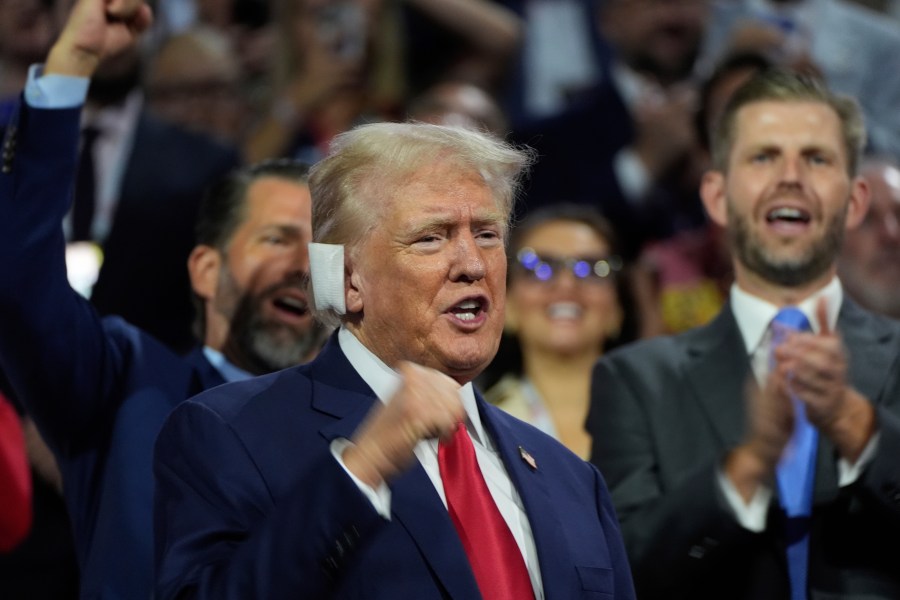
<point x="664" y="414"/>
<point x="98" y="389"/>
<point x="250" y="502"/>
<point x="144" y="276"/>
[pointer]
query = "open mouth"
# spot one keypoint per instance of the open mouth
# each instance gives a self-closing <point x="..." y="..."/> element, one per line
<point x="789" y="215"/>
<point x="468" y="310"/>
<point x="292" y="305"/>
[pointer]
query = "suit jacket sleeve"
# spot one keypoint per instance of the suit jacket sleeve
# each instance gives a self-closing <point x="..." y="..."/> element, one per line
<point x="675" y="531"/>
<point x="219" y="533"/>
<point x="61" y="363"/>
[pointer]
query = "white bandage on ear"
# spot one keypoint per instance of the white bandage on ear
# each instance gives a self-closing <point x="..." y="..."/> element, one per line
<point x="326" y="268"/>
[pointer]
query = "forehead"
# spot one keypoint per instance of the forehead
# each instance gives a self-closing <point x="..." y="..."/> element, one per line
<point x="276" y="198"/>
<point x="438" y="192"/>
<point x="565" y="237"/>
<point x="788" y="123"/>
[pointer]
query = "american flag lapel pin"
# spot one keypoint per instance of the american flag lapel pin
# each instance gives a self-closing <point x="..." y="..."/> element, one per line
<point x="528" y="458"/>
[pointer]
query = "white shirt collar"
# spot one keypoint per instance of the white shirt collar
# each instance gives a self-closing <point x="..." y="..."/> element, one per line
<point x="385" y="381"/>
<point x="226" y="369"/>
<point x="753" y="314"/>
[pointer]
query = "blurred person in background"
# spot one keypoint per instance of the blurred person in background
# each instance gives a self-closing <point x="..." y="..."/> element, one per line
<point x="194" y="79"/>
<point x="854" y="48"/>
<point x="325" y="73"/>
<point x="869" y="264"/>
<point x="694" y="431"/>
<point x="99" y="388"/>
<point x="27" y="29"/>
<point x="563" y="309"/>
<point x="458" y="104"/>
<point x="623" y="145"/>
<point x="687" y="276"/>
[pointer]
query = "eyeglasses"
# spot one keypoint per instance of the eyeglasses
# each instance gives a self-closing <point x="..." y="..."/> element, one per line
<point x="546" y="268"/>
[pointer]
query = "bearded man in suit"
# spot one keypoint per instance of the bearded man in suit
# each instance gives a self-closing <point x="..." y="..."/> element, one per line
<point x="695" y="432"/>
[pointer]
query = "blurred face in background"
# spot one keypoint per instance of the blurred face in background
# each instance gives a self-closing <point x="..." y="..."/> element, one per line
<point x="27" y="29"/>
<point x="562" y="299"/>
<point x="660" y="38"/>
<point x="870" y="260"/>
<point x="194" y="80"/>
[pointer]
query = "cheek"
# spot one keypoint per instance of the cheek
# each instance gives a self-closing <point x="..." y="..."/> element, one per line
<point x="525" y="298"/>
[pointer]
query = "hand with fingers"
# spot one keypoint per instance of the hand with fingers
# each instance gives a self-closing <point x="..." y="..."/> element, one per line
<point x="94" y="30"/>
<point x="815" y="367"/>
<point x="426" y="406"/>
<point x="770" y="423"/>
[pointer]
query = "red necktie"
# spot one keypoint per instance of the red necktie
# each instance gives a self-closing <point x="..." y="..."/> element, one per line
<point x="493" y="553"/>
<point x="15" y="480"/>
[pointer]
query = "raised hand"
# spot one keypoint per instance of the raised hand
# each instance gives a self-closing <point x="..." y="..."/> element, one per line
<point x="94" y="30"/>
<point x="426" y="406"/>
<point x="770" y="423"/>
<point x="816" y="368"/>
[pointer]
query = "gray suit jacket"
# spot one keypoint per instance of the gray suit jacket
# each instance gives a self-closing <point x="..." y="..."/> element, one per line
<point x="665" y="412"/>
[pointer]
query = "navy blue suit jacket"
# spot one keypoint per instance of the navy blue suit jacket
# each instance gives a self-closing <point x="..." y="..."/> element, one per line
<point x="251" y="504"/>
<point x="99" y="389"/>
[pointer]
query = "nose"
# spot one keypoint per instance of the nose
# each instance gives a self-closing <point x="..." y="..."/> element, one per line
<point x="792" y="169"/>
<point x="468" y="260"/>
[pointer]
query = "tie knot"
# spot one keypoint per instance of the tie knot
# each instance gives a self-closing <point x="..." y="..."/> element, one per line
<point x="791" y="317"/>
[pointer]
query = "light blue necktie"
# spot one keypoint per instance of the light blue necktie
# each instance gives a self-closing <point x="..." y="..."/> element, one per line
<point x="796" y="470"/>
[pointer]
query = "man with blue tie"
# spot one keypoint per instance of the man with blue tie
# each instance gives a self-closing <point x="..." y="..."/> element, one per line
<point x="100" y="388"/>
<point x="756" y="457"/>
<point x="377" y="471"/>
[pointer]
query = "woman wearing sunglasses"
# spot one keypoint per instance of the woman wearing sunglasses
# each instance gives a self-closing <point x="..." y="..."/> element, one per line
<point x="564" y="307"/>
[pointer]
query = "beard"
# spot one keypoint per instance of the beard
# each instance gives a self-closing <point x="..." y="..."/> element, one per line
<point x="259" y="345"/>
<point x="792" y="271"/>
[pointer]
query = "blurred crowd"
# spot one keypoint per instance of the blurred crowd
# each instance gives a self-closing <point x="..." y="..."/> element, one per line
<point x="617" y="97"/>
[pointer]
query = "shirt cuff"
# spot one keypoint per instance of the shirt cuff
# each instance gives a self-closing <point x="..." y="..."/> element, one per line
<point x="752" y="515"/>
<point x="54" y="91"/>
<point x="633" y="178"/>
<point x="380" y="497"/>
<point x="848" y="473"/>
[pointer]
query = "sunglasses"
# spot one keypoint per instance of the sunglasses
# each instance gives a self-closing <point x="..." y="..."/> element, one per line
<point x="546" y="268"/>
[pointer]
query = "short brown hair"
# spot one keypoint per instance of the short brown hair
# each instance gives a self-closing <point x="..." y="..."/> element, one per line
<point x="779" y="84"/>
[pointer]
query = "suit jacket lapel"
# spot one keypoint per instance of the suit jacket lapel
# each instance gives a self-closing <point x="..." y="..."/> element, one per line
<point x="719" y="385"/>
<point x="866" y="343"/>
<point x="555" y="560"/>
<point x="415" y="504"/>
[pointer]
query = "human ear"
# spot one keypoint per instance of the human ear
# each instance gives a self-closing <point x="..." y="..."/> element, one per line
<point x="204" y="266"/>
<point x="712" y="192"/>
<point x="353" y="289"/>
<point x="858" y="203"/>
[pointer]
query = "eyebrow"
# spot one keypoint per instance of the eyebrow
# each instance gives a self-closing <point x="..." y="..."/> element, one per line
<point x="443" y="220"/>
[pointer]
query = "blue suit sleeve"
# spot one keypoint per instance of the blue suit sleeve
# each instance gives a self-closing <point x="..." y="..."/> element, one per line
<point x="219" y="533"/>
<point x="62" y="365"/>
